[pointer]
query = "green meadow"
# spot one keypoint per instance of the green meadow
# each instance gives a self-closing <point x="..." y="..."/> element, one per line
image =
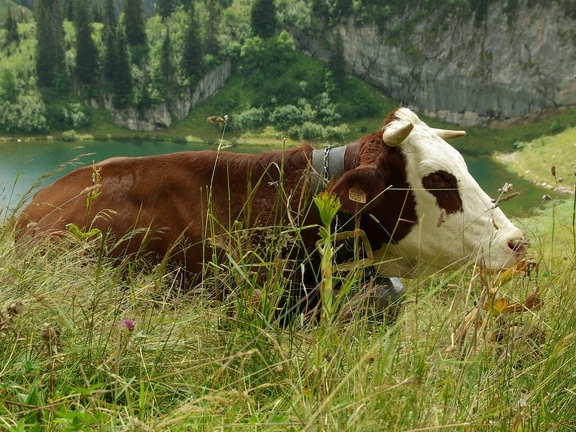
<point x="86" y="345"/>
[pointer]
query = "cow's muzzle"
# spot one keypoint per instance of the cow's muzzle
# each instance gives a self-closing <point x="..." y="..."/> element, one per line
<point x="519" y="246"/>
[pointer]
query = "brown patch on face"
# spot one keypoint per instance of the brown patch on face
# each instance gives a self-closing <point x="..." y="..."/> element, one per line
<point x="390" y="210"/>
<point x="444" y="187"/>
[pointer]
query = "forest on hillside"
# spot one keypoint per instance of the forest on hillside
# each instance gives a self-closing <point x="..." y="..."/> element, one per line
<point x="64" y="55"/>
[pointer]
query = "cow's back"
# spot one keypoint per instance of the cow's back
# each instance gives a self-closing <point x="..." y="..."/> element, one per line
<point x="157" y="202"/>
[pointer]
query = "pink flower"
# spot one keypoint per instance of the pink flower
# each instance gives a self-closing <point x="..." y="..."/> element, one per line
<point x="128" y="324"/>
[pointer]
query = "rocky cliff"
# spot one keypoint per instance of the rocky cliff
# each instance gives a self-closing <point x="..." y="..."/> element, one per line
<point x="161" y="116"/>
<point x="510" y="64"/>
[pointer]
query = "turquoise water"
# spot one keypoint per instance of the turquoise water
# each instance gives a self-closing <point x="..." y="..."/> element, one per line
<point x="22" y="164"/>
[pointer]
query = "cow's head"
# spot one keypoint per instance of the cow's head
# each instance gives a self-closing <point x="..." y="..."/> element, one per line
<point x="423" y="209"/>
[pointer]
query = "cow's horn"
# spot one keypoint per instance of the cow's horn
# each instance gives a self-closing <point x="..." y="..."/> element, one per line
<point x="393" y="137"/>
<point x="446" y="134"/>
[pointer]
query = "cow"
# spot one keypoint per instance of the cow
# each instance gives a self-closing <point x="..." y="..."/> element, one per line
<point x="404" y="186"/>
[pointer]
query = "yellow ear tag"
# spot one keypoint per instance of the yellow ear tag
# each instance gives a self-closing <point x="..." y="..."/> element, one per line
<point x="357" y="195"/>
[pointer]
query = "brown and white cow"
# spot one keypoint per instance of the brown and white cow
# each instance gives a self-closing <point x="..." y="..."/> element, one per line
<point x="421" y="209"/>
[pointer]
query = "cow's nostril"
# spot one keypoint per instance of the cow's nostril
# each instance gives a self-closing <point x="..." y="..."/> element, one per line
<point x="519" y="245"/>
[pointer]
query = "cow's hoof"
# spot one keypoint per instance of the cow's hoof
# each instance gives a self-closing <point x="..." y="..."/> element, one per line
<point x="386" y="298"/>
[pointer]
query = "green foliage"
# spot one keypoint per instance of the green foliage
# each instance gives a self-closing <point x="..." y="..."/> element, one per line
<point x="50" y="43"/>
<point x="11" y="27"/>
<point x="86" y="346"/>
<point x="69" y="135"/>
<point x="285" y="116"/>
<point x="63" y="116"/>
<point x="134" y="22"/>
<point x="235" y="27"/>
<point x="295" y="14"/>
<point x="77" y="115"/>
<point x="122" y="75"/>
<point x="109" y="15"/>
<point x="167" y="68"/>
<point x="212" y="31"/>
<point x="252" y="118"/>
<point x="8" y="86"/>
<point x="86" y="56"/>
<point x="337" y="62"/>
<point x="27" y="113"/>
<point x="263" y="18"/>
<point x="480" y="10"/>
<point x="192" y="55"/>
<point x="164" y="8"/>
<point x="300" y="102"/>
<point x="110" y="56"/>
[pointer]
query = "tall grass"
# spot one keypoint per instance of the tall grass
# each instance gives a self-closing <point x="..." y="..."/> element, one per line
<point x="86" y="345"/>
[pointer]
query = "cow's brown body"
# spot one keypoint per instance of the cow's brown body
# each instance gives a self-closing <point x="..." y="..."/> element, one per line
<point x="423" y="211"/>
<point x="165" y="198"/>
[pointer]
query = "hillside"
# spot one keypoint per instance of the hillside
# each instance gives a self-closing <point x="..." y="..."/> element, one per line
<point x="269" y="89"/>
<point x="534" y="160"/>
<point x="464" y="62"/>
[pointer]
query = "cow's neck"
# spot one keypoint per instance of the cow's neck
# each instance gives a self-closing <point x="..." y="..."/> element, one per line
<point x="327" y="163"/>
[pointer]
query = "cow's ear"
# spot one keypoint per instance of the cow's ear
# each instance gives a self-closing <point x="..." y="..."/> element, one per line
<point x="358" y="188"/>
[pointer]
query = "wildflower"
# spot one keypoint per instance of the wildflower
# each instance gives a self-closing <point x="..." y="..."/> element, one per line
<point x="14" y="308"/>
<point x="51" y="338"/>
<point x="506" y="188"/>
<point x="328" y="205"/>
<point x="48" y="334"/>
<point x="217" y="119"/>
<point x="128" y="324"/>
<point x="553" y="170"/>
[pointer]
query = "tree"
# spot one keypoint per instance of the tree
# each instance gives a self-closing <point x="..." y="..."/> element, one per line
<point x="167" y="70"/>
<point x="211" y="45"/>
<point x="164" y="8"/>
<point x="320" y="9"/>
<point x="50" y="47"/>
<point x="337" y="62"/>
<point x="110" y="56"/>
<point x="134" y="22"/>
<point x="122" y="77"/>
<point x="11" y="26"/>
<point x="110" y="60"/>
<point x="109" y="15"/>
<point x="86" y="56"/>
<point x="97" y="15"/>
<point x="343" y="9"/>
<point x="192" y="56"/>
<point x="68" y="9"/>
<point x="8" y="86"/>
<point x="263" y="18"/>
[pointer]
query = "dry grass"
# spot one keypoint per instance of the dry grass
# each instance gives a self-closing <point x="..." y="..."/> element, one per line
<point x="84" y="346"/>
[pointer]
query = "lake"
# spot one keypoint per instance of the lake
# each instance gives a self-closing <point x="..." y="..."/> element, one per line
<point x="22" y="164"/>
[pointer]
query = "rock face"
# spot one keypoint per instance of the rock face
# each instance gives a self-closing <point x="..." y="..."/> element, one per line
<point x="161" y="116"/>
<point x="508" y="65"/>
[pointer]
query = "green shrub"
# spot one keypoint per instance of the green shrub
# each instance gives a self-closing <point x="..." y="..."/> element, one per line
<point x="285" y="116"/>
<point x="69" y="135"/>
<point x="76" y="115"/>
<point x="26" y="114"/>
<point x="251" y="118"/>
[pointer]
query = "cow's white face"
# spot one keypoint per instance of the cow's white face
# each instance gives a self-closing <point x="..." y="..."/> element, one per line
<point x="420" y="207"/>
<point x="457" y="221"/>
